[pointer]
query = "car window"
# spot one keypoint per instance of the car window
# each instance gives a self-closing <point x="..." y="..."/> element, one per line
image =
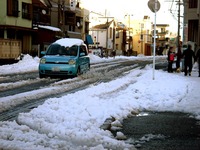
<point x="83" y="50"/>
<point x="56" y="49"/>
<point x="73" y="50"/>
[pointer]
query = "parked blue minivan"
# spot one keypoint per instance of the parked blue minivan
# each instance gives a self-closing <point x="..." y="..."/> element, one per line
<point x="65" y="57"/>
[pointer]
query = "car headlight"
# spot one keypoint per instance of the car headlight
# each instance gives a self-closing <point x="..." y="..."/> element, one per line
<point x="42" y="60"/>
<point x="72" y="62"/>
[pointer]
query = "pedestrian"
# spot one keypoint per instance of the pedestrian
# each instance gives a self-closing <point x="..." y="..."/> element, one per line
<point x="114" y="53"/>
<point x="198" y="60"/>
<point x="170" y="59"/>
<point x="178" y="58"/>
<point x="188" y="55"/>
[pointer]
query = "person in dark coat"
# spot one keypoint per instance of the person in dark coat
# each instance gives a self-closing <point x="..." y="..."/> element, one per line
<point x="198" y="60"/>
<point x="170" y="59"/>
<point x="188" y="55"/>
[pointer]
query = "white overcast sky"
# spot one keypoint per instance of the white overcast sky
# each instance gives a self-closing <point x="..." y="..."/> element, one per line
<point x="137" y="8"/>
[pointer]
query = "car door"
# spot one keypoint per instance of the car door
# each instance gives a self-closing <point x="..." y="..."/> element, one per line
<point x="84" y="59"/>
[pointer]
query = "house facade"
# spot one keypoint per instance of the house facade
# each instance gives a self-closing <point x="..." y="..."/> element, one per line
<point x="16" y="23"/>
<point x="163" y="39"/>
<point x="70" y="18"/>
<point x="142" y="36"/>
<point x="104" y="35"/>
<point x="121" y="39"/>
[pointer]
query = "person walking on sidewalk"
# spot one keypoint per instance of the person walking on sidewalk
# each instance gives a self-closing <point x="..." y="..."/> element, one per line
<point x="198" y="60"/>
<point x="188" y="55"/>
<point x="170" y="59"/>
<point x="178" y="58"/>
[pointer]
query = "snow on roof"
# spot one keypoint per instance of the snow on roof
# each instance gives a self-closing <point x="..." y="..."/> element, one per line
<point x="49" y="28"/>
<point x="68" y="42"/>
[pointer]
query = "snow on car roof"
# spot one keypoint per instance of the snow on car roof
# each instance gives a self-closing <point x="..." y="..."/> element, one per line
<point x="68" y="42"/>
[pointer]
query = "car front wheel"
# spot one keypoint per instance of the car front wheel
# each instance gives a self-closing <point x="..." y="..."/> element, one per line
<point x="41" y="75"/>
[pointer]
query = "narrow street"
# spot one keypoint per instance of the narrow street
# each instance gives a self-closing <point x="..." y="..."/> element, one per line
<point x="24" y="84"/>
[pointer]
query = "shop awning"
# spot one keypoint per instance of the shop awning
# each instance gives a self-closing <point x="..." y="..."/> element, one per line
<point x="89" y="39"/>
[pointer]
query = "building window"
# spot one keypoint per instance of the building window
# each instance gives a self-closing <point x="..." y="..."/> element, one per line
<point x="26" y="11"/>
<point x="162" y="30"/>
<point x="111" y="32"/>
<point x="117" y="34"/>
<point x="193" y="26"/>
<point x="1" y="33"/>
<point x="12" y="8"/>
<point x="11" y="34"/>
<point x="193" y="3"/>
<point x="70" y="18"/>
<point x="117" y="46"/>
<point x="72" y="28"/>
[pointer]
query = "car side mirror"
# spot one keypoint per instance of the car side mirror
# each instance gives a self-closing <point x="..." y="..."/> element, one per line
<point x="82" y="54"/>
<point x="43" y="52"/>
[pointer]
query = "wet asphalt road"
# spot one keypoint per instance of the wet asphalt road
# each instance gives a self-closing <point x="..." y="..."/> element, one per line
<point x="163" y="131"/>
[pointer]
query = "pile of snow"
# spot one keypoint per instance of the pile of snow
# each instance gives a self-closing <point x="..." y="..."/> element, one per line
<point x="28" y="64"/>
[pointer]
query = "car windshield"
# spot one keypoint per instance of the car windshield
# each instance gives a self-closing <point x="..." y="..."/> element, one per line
<point x="56" y="49"/>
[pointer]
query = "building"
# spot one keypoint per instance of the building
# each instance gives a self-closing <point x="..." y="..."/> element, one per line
<point x="142" y="36"/>
<point x="41" y="23"/>
<point x="121" y="39"/>
<point x="16" y="23"/>
<point x="67" y="19"/>
<point x="70" y="18"/>
<point x="104" y="36"/>
<point x="162" y="38"/>
<point x="32" y="25"/>
<point x="192" y="21"/>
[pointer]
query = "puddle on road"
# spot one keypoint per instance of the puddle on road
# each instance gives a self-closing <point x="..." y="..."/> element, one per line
<point x="162" y="130"/>
<point x="142" y="114"/>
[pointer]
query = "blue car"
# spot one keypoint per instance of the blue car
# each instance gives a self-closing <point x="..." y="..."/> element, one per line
<point x="65" y="57"/>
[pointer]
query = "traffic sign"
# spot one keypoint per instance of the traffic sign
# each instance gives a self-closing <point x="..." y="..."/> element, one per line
<point x="154" y="5"/>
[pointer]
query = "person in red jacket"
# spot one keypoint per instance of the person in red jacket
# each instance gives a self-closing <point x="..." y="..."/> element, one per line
<point x="170" y="59"/>
<point x="188" y="55"/>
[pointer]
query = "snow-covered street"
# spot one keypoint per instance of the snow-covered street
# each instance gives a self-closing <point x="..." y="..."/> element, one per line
<point x="73" y="121"/>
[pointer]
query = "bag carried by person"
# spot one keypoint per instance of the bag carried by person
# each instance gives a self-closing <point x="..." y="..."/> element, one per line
<point x="171" y="57"/>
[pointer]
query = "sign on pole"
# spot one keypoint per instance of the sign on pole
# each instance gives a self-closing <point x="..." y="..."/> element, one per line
<point x="154" y="6"/>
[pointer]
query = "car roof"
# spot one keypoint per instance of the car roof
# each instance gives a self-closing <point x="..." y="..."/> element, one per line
<point x="68" y="42"/>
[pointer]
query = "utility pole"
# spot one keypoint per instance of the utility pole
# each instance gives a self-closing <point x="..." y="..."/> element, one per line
<point x="142" y="37"/>
<point x="63" y="17"/>
<point x="59" y="13"/>
<point x="178" y="40"/>
<point x="129" y="31"/>
<point x="178" y="33"/>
